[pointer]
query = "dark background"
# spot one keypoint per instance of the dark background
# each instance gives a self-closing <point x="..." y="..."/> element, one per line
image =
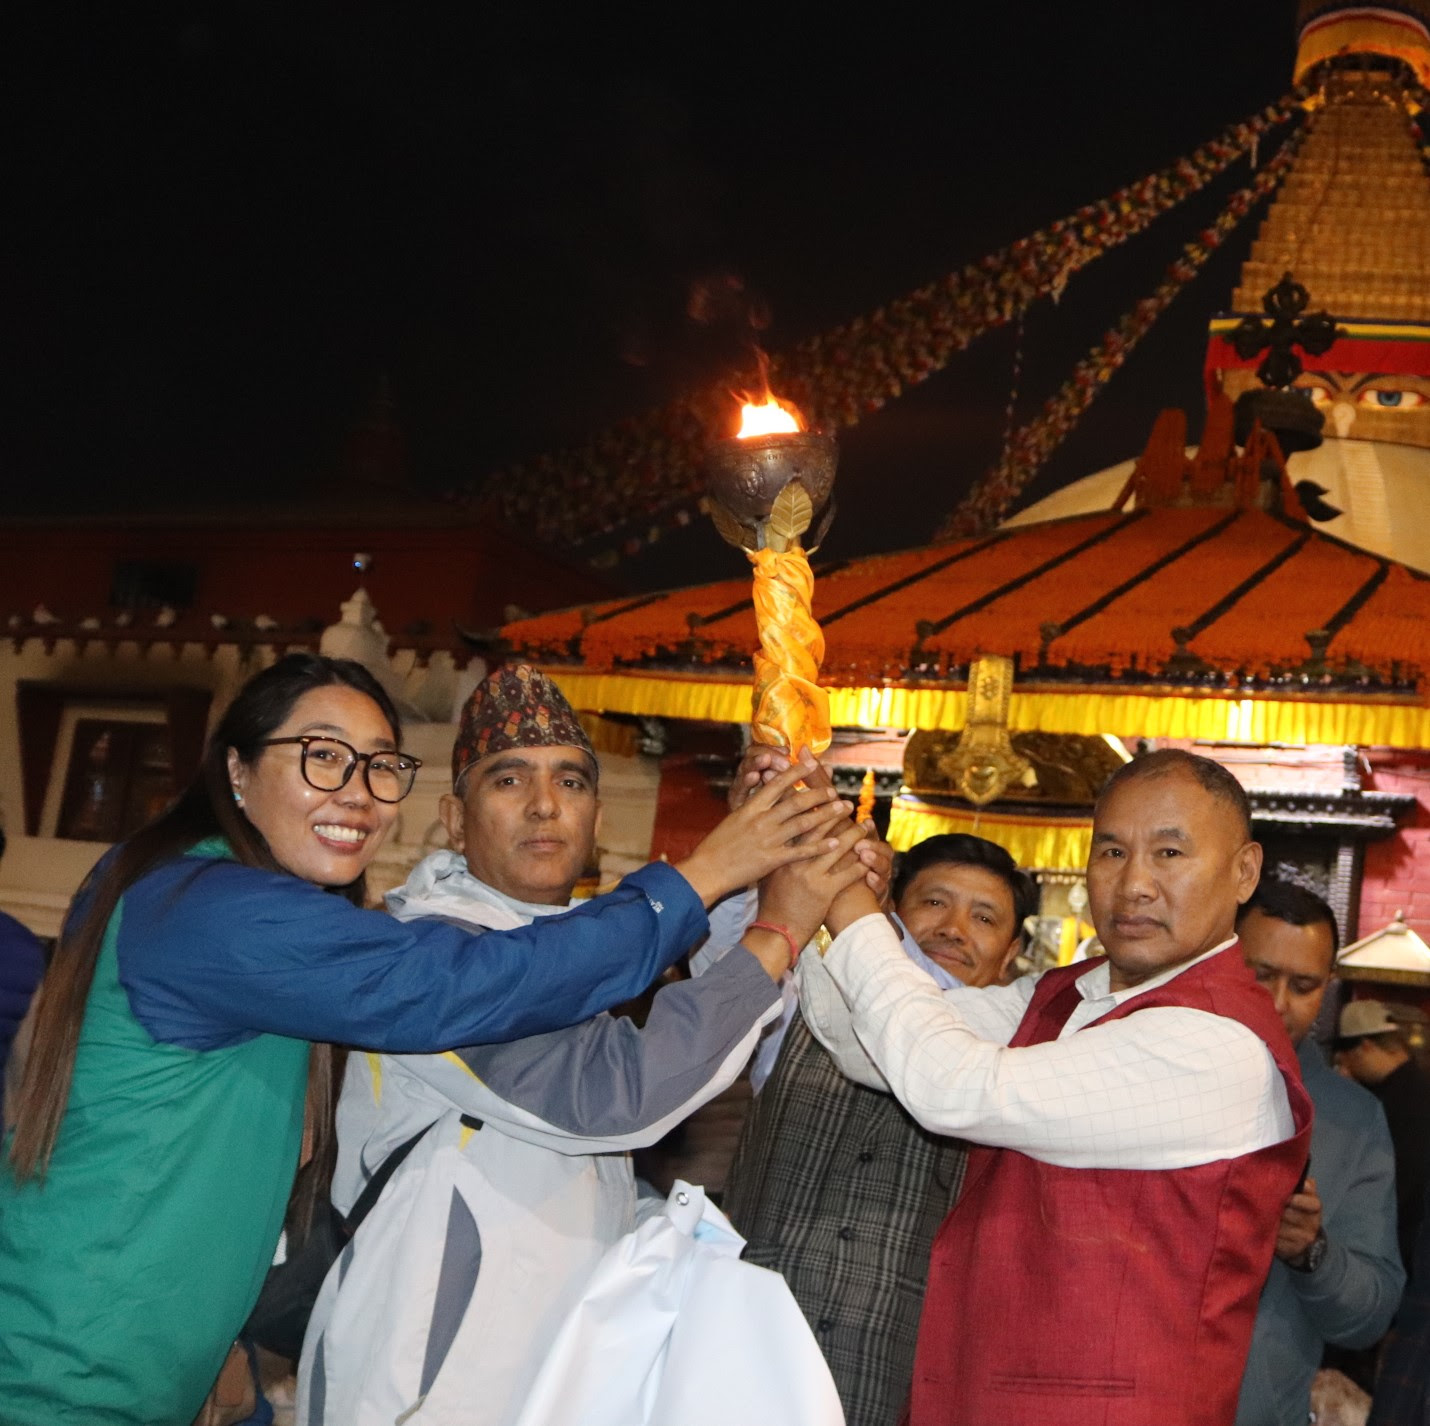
<point x="227" y="224"/>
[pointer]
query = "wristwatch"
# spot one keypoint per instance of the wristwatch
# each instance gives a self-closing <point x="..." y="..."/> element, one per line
<point x="1313" y="1257"/>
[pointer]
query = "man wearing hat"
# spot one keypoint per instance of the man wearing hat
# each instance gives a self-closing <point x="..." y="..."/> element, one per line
<point x="484" y="1237"/>
<point x="1371" y="1048"/>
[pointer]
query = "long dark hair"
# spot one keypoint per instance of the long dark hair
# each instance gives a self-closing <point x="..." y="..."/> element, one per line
<point x="206" y="808"/>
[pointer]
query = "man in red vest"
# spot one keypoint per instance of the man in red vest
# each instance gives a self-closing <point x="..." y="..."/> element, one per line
<point x="1141" y="1121"/>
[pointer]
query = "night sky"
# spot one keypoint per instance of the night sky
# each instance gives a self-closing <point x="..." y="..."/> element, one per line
<point x="229" y="223"/>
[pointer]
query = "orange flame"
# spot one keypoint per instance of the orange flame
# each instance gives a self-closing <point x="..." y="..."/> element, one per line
<point x="770" y="417"/>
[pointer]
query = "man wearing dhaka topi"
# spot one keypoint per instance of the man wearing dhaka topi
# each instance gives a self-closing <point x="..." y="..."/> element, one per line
<point x="519" y="1179"/>
<point x="1140" y="1121"/>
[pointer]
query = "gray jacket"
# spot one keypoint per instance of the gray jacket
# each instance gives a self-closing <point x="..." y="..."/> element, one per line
<point x="1350" y="1299"/>
<point x="483" y="1240"/>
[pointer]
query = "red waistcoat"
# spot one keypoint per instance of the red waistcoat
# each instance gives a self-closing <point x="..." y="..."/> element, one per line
<point x="1107" y="1297"/>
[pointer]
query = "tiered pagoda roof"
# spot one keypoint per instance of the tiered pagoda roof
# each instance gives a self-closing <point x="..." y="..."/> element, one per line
<point x="1210" y="606"/>
<point x="1201" y="594"/>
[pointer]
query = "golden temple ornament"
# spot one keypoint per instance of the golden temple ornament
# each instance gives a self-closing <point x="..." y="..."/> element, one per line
<point x="984" y="763"/>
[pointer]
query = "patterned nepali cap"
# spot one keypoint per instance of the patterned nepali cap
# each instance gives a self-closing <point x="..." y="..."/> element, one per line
<point x="516" y="706"/>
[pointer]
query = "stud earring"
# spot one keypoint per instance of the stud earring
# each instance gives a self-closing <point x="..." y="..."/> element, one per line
<point x="238" y="798"/>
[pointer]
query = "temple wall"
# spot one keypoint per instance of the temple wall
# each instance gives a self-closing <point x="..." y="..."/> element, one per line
<point x="1397" y="870"/>
<point x="629" y="798"/>
<point x="686" y="807"/>
<point x="40" y="872"/>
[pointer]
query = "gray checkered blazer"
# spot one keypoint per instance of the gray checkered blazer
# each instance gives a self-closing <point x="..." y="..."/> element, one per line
<point x="837" y="1188"/>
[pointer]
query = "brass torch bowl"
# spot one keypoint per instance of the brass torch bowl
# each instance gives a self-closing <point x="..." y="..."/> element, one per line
<point x="744" y="478"/>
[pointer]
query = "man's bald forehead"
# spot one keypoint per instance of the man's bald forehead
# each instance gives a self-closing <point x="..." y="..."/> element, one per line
<point x="1208" y="775"/>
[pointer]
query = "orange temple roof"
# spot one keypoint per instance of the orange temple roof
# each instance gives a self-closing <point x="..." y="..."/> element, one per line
<point x="1202" y="593"/>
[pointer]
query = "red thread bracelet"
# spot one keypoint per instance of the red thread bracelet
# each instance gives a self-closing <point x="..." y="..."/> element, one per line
<point x="779" y="931"/>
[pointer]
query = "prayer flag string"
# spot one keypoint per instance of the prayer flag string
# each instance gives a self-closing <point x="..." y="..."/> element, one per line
<point x="1024" y="455"/>
<point x="621" y="490"/>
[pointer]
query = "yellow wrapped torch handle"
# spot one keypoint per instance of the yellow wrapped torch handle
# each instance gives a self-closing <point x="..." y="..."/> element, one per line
<point x="791" y="710"/>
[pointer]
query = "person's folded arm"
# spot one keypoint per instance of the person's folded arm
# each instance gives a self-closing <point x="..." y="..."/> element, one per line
<point x="212" y="952"/>
<point x="1162" y="1088"/>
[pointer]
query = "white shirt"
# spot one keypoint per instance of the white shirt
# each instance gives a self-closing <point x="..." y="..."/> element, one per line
<point x="729" y="920"/>
<point x="1167" y="1088"/>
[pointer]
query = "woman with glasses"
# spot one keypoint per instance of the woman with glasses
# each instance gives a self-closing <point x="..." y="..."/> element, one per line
<point x="143" y="1191"/>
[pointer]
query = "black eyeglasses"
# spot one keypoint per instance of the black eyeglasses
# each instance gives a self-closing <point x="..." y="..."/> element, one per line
<point x="328" y="764"/>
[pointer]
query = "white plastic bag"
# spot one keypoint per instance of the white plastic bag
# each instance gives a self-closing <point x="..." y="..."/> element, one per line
<point x="674" y="1330"/>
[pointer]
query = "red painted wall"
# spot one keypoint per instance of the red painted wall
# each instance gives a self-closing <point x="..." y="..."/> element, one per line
<point x="686" y="808"/>
<point x="1397" y="870"/>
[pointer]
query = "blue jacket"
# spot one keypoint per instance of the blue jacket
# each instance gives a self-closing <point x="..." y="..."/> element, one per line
<point x="1350" y="1299"/>
<point x="127" y="1271"/>
<point x="22" y="963"/>
<point x="229" y="952"/>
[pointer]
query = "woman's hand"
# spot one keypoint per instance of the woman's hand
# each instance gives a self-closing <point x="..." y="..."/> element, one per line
<point x="876" y="854"/>
<point x="777" y="824"/>
<point x="798" y="895"/>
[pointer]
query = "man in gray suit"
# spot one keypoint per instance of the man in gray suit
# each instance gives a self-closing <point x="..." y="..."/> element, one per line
<point x="1336" y="1277"/>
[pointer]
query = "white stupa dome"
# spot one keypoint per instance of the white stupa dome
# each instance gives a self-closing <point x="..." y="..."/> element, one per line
<point x="1382" y="490"/>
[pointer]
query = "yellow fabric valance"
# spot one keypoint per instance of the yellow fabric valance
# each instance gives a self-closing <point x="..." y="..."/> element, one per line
<point x="1030" y="841"/>
<point x="1170" y="714"/>
<point x="608" y="737"/>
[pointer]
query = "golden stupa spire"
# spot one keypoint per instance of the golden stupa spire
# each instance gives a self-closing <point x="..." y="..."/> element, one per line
<point x="1352" y="219"/>
<point x="1351" y="223"/>
<point x="1333" y="30"/>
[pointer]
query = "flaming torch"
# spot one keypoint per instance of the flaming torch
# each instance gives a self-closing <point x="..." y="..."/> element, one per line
<point x="768" y="490"/>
